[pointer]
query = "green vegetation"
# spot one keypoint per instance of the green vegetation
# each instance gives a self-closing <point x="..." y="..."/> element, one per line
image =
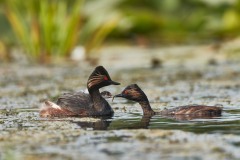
<point x="46" y="29"/>
<point x="173" y="21"/>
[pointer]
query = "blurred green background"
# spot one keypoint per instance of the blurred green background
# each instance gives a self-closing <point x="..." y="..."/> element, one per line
<point x="50" y="29"/>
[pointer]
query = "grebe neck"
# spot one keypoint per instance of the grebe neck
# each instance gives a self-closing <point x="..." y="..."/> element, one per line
<point x="99" y="103"/>
<point x="147" y="109"/>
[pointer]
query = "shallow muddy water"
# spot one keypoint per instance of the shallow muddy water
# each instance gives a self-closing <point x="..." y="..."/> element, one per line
<point x="228" y="123"/>
<point x="126" y="135"/>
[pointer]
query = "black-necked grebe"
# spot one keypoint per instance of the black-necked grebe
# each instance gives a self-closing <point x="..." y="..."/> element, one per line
<point x="134" y="93"/>
<point x="82" y="104"/>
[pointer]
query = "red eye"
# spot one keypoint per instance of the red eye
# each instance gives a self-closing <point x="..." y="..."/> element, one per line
<point x="105" y="78"/>
<point x="125" y="92"/>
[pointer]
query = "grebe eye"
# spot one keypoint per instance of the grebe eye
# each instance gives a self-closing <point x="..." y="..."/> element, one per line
<point x="125" y="92"/>
<point x="105" y="78"/>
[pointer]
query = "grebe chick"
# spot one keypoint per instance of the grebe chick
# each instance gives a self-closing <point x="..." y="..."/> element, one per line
<point x="134" y="93"/>
<point x="82" y="104"/>
<point x="106" y="94"/>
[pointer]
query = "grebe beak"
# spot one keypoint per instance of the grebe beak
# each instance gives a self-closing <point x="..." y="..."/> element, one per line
<point x="114" y="83"/>
<point x="118" y="95"/>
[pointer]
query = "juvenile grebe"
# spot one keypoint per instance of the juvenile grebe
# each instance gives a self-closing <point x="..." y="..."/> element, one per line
<point x="82" y="104"/>
<point x="106" y="94"/>
<point x="134" y="93"/>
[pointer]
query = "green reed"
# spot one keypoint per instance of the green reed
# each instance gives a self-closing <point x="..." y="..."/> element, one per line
<point x="52" y="28"/>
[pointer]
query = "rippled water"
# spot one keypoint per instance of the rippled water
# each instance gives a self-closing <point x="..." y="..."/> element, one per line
<point x="228" y="123"/>
<point x="22" y="92"/>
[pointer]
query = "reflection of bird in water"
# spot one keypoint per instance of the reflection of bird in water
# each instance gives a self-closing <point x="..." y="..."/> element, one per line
<point x="188" y="117"/>
<point x="101" y="124"/>
<point x="143" y="123"/>
<point x="82" y="104"/>
<point x="104" y="124"/>
<point x="134" y="93"/>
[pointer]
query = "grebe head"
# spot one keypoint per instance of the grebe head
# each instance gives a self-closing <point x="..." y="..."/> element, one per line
<point x="100" y="78"/>
<point x="134" y="93"/>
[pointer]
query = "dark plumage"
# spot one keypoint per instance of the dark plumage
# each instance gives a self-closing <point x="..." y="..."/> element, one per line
<point x="82" y="104"/>
<point x="134" y="93"/>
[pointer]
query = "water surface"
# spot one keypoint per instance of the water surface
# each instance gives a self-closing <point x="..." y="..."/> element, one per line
<point x="228" y="123"/>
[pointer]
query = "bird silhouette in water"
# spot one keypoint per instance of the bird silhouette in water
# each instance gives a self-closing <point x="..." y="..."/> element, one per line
<point x="83" y="104"/>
